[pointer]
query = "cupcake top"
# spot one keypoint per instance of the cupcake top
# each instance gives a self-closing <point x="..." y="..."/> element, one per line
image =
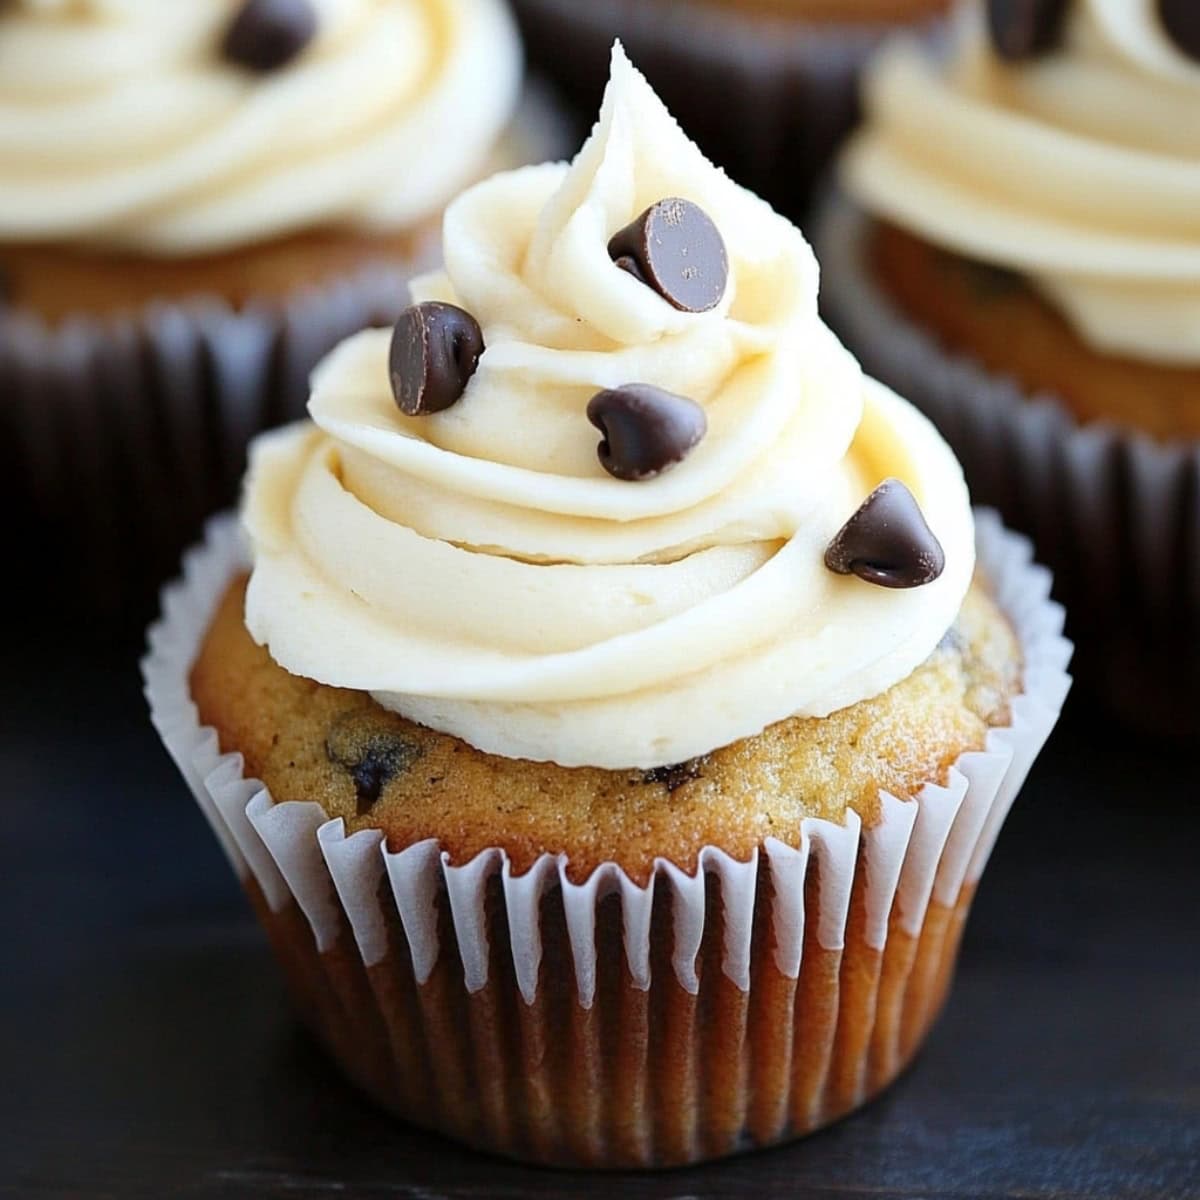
<point x="177" y="129"/>
<point x="1058" y="139"/>
<point x="606" y="497"/>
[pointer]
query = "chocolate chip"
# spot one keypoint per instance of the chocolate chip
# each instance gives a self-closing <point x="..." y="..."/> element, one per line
<point x="435" y="350"/>
<point x="646" y="429"/>
<point x="373" y="756"/>
<point x="267" y="34"/>
<point x="1181" y="20"/>
<point x="674" y="248"/>
<point x="1023" y="29"/>
<point x="887" y="541"/>
<point x="676" y="775"/>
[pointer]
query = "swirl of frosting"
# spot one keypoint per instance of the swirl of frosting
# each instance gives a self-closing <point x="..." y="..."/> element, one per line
<point x="1081" y="169"/>
<point x="477" y="571"/>
<point x="121" y="124"/>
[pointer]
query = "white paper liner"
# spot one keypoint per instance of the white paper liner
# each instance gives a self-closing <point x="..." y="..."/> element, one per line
<point x="920" y="849"/>
<point x="1113" y="512"/>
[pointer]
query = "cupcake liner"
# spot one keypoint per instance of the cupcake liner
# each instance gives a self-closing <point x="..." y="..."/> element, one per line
<point x="127" y="432"/>
<point x="124" y="433"/>
<point x="768" y="98"/>
<point x="605" y="1023"/>
<point x="1114" y="513"/>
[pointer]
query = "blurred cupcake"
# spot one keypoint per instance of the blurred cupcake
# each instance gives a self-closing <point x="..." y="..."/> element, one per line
<point x="198" y="201"/>
<point x="622" y="702"/>
<point x="767" y="87"/>
<point x="1024" y="263"/>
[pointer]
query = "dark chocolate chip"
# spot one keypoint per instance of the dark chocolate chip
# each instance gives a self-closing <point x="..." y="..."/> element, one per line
<point x="374" y="757"/>
<point x="887" y="541"/>
<point x="1181" y="20"/>
<point x="1024" y="29"/>
<point x="646" y="429"/>
<point x="674" y="248"/>
<point x="676" y="775"/>
<point x="435" y="350"/>
<point x="267" y="34"/>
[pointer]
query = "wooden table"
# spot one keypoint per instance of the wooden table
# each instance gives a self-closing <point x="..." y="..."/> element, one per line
<point x="148" y="1050"/>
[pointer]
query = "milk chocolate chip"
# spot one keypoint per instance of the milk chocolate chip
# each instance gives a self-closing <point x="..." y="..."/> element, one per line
<point x="674" y="248"/>
<point x="1181" y="20"/>
<point x="646" y="429"/>
<point x="267" y="34"/>
<point x="887" y="541"/>
<point x="435" y="350"/>
<point x="1024" y="29"/>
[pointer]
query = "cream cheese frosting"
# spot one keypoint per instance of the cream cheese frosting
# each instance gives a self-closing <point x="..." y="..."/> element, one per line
<point x="478" y="572"/>
<point x="122" y="125"/>
<point x="1081" y="168"/>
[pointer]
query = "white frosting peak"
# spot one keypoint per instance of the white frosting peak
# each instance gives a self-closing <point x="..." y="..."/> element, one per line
<point x="121" y="123"/>
<point x="479" y="572"/>
<point x="1080" y="168"/>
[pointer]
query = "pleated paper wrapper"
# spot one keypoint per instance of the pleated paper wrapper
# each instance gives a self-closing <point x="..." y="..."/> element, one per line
<point x="603" y="1023"/>
<point x="120" y="436"/>
<point x="1114" y="513"/>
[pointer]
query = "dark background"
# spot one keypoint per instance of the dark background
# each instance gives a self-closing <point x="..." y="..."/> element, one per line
<point x="148" y="1049"/>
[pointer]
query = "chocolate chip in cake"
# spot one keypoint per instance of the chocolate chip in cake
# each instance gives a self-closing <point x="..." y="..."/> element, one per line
<point x="267" y="34"/>
<point x="676" y="775"/>
<point x="435" y="350"/>
<point x="887" y="542"/>
<point x="1022" y="29"/>
<point x="372" y="756"/>
<point x="674" y="248"/>
<point x="1181" y="20"/>
<point x="646" y="429"/>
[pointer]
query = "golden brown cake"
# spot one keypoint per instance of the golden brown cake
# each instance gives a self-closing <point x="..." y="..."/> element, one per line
<point x="190" y="223"/>
<point x="997" y="318"/>
<point x="376" y="770"/>
<point x="1017" y="253"/>
<point x="623" y="700"/>
<point x="58" y="283"/>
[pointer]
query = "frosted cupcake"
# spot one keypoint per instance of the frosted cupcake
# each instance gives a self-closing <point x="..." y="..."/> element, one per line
<point x="197" y="202"/>
<point x="1024" y="261"/>
<point x="767" y="87"/>
<point x="618" y="704"/>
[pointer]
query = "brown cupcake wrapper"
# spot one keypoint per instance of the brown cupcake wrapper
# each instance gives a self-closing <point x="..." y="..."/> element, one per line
<point x="125" y="433"/>
<point x="768" y="98"/>
<point x="604" y="1023"/>
<point x="1114" y="513"/>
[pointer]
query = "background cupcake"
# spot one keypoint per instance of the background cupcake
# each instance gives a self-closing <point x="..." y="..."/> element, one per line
<point x="629" y="753"/>
<point x="1024" y="261"/>
<point x="196" y="202"/>
<point x="767" y="87"/>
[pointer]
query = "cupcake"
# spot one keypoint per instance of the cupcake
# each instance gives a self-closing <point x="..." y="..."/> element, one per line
<point x="614" y="704"/>
<point x="1019" y="254"/>
<point x="196" y="203"/>
<point x="768" y="87"/>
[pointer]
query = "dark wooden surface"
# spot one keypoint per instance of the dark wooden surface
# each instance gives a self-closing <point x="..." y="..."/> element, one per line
<point x="147" y="1049"/>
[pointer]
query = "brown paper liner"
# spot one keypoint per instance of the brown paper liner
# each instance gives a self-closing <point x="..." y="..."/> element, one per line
<point x="126" y="433"/>
<point x="1114" y="513"/>
<point x="555" y="1083"/>
<point x="121" y="435"/>
<point x="768" y="98"/>
<point x="605" y="1023"/>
